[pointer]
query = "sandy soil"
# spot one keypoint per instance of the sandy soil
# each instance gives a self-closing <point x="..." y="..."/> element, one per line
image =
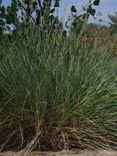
<point x="64" y="153"/>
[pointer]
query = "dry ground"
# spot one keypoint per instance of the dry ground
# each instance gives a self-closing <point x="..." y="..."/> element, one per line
<point x="64" y="153"/>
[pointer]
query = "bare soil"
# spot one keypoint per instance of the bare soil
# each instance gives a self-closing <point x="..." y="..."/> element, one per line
<point x="64" y="153"/>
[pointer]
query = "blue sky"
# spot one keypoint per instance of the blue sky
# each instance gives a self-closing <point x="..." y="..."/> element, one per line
<point x="106" y="7"/>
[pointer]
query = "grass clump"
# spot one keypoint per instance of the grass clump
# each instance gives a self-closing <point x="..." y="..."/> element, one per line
<point x="55" y="95"/>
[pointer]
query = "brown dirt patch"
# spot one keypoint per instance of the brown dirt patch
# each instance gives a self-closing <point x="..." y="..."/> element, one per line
<point x="64" y="153"/>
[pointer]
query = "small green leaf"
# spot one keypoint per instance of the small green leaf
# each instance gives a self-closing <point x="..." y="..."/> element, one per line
<point x="56" y="3"/>
<point x="96" y="2"/>
<point x="91" y="11"/>
<point x="73" y="8"/>
<point x="52" y="10"/>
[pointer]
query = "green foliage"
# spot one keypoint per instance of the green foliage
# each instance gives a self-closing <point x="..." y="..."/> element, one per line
<point x="79" y="22"/>
<point x="21" y="12"/>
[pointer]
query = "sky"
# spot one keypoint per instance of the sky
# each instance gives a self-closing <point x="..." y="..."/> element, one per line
<point x="106" y="7"/>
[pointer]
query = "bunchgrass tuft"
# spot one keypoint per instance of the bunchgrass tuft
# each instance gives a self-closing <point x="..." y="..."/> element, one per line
<point x="55" y="94"/>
